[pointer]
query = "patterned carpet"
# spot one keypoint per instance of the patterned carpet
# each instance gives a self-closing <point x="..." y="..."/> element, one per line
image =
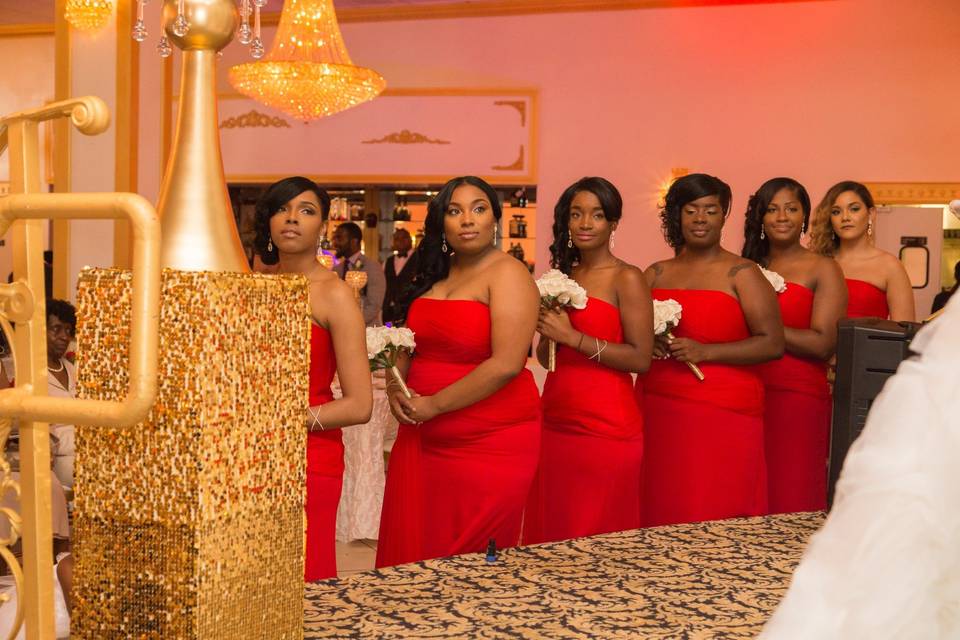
<point x="719" y="579"/>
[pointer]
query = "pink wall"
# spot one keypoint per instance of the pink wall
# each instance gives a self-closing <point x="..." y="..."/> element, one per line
<point x="821" y="91"/>
<point x="818" y="90"/>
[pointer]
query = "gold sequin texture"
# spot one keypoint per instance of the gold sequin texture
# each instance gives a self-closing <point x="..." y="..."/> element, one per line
<point x="190" y="525"/>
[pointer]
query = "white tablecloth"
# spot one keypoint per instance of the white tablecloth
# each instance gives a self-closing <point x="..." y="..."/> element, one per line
<point x="358" y="516"/>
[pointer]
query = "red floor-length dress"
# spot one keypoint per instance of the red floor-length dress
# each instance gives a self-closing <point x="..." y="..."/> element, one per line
<point x="462" y="478"/>
<point x="588" y="481"/>
<point x="703" y="441"/>
<point x="324" y="466"/>
<point x="864" y="300"/>
<point x="797" y="409"/>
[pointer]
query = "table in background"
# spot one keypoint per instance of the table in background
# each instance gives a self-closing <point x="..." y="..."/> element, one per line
<point x="720" y="579"/>
<point x="358" y="516"/>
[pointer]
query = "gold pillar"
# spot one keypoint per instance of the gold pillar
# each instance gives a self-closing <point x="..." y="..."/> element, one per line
<point x="191" y="525"/>
<point x="199" y="231"/>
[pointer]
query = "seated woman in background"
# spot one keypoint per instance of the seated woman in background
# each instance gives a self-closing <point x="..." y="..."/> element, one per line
<point x="797" y="403"/>
<point x="877" y="284"/>
<point x="703" y="440"/>
<point x="588" y="481"/>
<point x="469" y="440"/>
<point x="290" y="217"/>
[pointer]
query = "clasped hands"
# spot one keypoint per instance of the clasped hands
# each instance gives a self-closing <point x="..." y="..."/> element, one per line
<point x="680" y="349"/>
<point x="554" y="324"/>
<point x="413" y="410"/>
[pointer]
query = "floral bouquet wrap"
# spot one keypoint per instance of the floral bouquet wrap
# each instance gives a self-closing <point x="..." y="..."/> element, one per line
<point x="559" y="290"/>
<point x="666" y="317"/>
<point x="383" y="346"/>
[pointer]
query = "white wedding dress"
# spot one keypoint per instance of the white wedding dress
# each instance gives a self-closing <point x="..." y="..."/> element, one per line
<point x="886" y="563"/>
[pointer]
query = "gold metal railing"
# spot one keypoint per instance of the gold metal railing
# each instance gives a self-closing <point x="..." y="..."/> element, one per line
<point x="23" y="302"/>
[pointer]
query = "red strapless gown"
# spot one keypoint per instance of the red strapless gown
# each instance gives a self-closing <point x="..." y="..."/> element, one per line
<point x="796" y="418"/>
<point x="324" y="466"/>
<point x="865" y="300"/>
<point x="703" y="441"/>
<point x="462" y="478"/>
<point x="588" y="481"/>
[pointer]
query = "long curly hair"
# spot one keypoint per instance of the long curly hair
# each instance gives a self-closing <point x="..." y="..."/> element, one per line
<point x="823" y="239"/>
<point x="433" y="264"/>
<point x="682" y="192"/>
<point x="563" y="256"/>
<point x="272" y="200"/>
<point x="754" y="247"/>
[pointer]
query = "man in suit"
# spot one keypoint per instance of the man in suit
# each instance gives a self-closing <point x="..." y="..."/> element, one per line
<point x="346" y="242"/>
<point x="399" y="271"/>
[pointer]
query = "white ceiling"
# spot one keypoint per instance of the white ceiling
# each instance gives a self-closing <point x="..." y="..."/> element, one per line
<point x="41" y="11"/>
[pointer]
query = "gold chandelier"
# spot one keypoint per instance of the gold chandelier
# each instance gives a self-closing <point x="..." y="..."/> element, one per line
<point x="88" y="15"/>
<point x="308" y="73"/>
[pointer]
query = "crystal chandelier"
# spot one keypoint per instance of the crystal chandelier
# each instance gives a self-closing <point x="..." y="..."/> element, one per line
<point x="88" y="15"/>
<point x="181" y="25"/>
<point x="308" y="73"/>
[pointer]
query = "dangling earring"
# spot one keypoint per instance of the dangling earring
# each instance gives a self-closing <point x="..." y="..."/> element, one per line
<point x="762" y="234"/>
<point x="870" y="227"/>
<point x="803" y="229"/>
<point x="570" y="242"/>
<point x="495" y="229"/>
<point x="270" y="244"/>
<point x="612" y="233"/>
<point x="444" y="246"/>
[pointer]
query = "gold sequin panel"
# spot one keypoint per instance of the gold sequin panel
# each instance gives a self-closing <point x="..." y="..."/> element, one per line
<point x="190" y="525"/>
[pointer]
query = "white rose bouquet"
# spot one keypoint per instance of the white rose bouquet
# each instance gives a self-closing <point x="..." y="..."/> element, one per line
<point x="383" y="345"/>
<point x="559" y="290"/>
<point x="666" y="317"/>
<point x="775" y="279"/>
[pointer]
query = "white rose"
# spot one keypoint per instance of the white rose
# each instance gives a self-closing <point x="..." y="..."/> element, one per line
<point x="666" y="315"/>
<point x="402" y="338"/>
<point x="578" y="296"/>
<point x="550" y="284"/>
<point x="775" y="279"/>
<point x="377" y="341"/>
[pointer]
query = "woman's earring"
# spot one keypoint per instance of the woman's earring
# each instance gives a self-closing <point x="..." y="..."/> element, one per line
<point x="270" y="244"/>
<point x="444" y="246"/>
<point x="612" y="233"/>
<point x="762" y="234"/>
<point x="870" y="227"/>
<point x="570" y="241"/>
<point x="803" y="229"/>
<point x="495" y="229"/>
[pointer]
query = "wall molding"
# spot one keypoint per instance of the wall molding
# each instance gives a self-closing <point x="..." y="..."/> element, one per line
<point x="492" y="8"/>
<point x="26" y="30"/>
<point x="914" y="192"/>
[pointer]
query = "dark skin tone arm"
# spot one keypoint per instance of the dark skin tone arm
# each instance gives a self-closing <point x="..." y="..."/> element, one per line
<point x="829" y="306"/>
<point x="761" y="311"/>
<point x="514" y="301"/>
<point x="636" y="316"/>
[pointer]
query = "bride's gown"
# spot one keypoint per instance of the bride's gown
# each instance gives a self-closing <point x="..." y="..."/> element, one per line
<point x="887" y="562"/>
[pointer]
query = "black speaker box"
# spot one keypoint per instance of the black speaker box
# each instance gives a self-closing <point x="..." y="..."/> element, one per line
<point x="869" y="350"/>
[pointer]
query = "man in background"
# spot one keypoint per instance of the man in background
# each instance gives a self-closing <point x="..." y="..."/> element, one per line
<point x="399" y="271"/>
<point x="347" y="241"/>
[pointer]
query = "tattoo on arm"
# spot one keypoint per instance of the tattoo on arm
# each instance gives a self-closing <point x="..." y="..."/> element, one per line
<point x="737" y="268"/>
<point x="658" y="269"/>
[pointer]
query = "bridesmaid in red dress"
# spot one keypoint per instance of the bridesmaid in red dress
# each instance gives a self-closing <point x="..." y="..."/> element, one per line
<point x="703" y="441"/>
<point x="797" y="405"/>
<point x="290" y="219"/>
<point x="588" y="481"/>
<point x="467" y="448"/>
<point x="877" y="284"/>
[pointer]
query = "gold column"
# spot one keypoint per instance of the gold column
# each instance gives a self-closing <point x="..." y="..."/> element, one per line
<point x="199" y="231"/>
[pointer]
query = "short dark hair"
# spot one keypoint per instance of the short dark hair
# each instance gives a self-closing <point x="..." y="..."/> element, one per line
<point x="682" y="192"/>
<point x="562" y="256"/>
<point x="353" y="231"/>
<point x="62" y="311"/>
<point x="277" y="195"/>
